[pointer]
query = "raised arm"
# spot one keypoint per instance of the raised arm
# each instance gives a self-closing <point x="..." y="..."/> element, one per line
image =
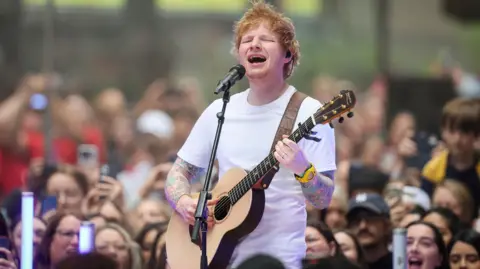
<point x="319" y="190"/>
<point x="11" y="113"/>
<point x="179" y="180"/>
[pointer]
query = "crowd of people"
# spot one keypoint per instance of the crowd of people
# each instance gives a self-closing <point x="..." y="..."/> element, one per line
<point x="380" y="184"/>
<point x="106" y="161"/>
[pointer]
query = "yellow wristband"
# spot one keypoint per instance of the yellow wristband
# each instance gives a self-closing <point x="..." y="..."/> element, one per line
<point x="308" y="175"/>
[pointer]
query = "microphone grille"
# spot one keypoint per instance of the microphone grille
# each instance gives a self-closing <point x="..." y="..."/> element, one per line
<point x="240" y="70"/>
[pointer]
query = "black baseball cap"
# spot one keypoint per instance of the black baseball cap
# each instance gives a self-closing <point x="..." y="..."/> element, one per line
<point x="371" y="202"/>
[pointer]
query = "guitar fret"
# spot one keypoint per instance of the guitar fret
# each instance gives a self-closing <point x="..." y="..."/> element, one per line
<point x="264" y="166"/>
<point x="261" y="169"/>
<point x="267" y="164"/>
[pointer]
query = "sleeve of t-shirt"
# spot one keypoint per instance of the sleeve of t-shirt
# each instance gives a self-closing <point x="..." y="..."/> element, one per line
<point x="320" y="153"/>
<point x="197" y="148"/>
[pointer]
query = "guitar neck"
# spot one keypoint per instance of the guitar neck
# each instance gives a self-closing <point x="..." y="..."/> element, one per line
<point x="267" y="164"/>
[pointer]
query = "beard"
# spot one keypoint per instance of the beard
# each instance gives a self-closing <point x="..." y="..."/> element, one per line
<point x="367" y="240"/>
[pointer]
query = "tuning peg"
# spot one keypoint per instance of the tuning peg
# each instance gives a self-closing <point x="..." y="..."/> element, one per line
<point x="343" y="91"/>
<point x="341" y="119"/>
<point x="350" y="114"/>
<point x="331" y="125"/>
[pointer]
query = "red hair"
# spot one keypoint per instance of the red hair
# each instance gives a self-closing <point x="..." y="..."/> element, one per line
<point x="281" y="25"/>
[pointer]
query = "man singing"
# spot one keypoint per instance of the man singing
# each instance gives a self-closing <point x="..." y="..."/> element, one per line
<point x="265" y="44"/>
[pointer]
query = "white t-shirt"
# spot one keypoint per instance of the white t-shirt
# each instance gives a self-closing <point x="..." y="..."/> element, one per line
<point x="246" y="139"/>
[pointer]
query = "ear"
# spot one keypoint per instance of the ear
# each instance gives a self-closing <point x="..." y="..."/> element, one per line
<point x="288" y="57"/>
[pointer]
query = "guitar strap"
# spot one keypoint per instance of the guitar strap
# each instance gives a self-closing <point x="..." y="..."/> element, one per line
<point x="284" y="128"/>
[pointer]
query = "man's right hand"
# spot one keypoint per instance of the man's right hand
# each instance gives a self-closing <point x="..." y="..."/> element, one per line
<point x="187" y="205"/>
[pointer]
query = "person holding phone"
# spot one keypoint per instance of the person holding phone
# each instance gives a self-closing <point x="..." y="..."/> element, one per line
<point x="69" y="187"/>
<point x="6" y="258"/>
<point x="48" y="207"/>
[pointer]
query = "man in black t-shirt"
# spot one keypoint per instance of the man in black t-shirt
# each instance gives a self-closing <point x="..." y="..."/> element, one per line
<point x="369" y="219"/>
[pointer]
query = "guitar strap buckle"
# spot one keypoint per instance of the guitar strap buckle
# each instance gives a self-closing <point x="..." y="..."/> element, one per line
<point x="284" y="128"/>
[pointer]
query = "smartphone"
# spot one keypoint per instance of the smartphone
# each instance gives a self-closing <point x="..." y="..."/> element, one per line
<point x="393" y="196"/>
<point x="49" y="204"/>
<point x="38" y="101"/>
<point x="5" y="217"/>
<point x="87" y="155"/>
<point x="4" y="243"/>
<point x="104" y="170"/>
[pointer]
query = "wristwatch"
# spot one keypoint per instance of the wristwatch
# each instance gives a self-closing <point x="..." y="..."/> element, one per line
<point x="308" y="175"/>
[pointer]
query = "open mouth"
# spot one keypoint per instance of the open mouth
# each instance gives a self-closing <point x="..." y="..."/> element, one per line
<point x="414" y="263"/>
<point x="256" y="59"/>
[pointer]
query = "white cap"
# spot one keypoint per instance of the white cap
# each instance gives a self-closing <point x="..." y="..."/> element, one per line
<point x="155" y="122"/>
<point x="417" y="196"/>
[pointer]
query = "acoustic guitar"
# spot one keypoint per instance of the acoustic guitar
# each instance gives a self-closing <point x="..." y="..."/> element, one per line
<point x="240" y="208"/>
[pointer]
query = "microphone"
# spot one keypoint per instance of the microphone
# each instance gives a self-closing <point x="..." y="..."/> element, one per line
<point x="234" y="74"/>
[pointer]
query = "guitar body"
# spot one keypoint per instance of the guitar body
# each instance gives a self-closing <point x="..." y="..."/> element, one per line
<point x="240" y="207"/>
<point x="240" y="220"/>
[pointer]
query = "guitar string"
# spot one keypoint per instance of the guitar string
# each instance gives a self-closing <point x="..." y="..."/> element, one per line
<point x="235" y="191"/>
<point x="242" y="187"/>
<point x="303" y="129"/>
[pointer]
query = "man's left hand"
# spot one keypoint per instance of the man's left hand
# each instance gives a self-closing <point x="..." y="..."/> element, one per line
<point x="291" y="156"/>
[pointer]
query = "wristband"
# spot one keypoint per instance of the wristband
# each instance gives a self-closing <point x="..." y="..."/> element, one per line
<point x="308" y="175"/>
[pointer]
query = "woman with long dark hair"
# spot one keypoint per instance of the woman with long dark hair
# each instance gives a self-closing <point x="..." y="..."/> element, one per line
<point x="464" y="250"/>
<point x="447" y="223"/>
<point x="320" y="240"/>
<point x="351" y="248"/>
<point x="425" y="247"/>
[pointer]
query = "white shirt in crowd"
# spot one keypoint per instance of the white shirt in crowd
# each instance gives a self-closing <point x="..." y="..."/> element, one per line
<point x="246" y="139"/>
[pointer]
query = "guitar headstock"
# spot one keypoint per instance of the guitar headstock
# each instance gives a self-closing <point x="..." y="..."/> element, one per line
<point x="336" y="108"/>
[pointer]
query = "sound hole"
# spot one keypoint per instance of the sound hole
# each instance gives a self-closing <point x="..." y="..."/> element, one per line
<point x="222" y="208"/>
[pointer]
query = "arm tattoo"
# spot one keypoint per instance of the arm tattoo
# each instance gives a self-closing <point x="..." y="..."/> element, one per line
<point x="179" y="179"/>
<point x="319" y="190"/>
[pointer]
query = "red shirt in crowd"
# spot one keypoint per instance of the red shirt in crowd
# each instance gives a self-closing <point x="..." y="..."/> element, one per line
<point x="14" y="166"/>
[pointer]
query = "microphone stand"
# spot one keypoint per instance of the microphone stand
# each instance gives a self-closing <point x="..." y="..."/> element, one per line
<point x="201" y="213"/>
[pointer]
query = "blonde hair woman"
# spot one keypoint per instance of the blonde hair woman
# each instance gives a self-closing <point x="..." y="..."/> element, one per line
<point x="114" y="241"/>
<point x="455" y="196"/>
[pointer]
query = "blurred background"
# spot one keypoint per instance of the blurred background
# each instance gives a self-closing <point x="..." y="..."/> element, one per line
<point x="88" y="83"/>
<point x="128" y="44"/>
